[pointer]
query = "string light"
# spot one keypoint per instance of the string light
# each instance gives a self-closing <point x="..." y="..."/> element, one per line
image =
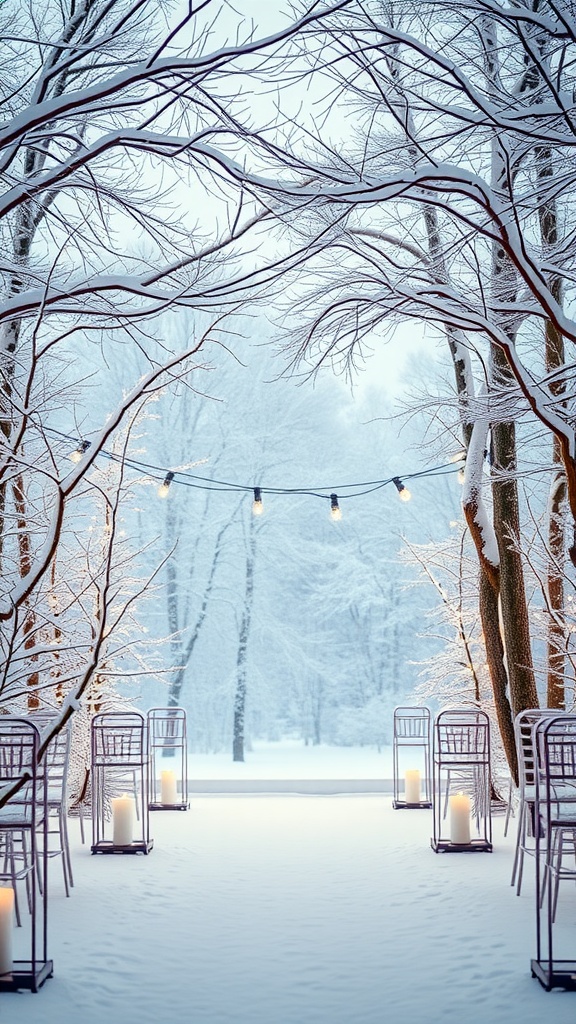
<point x="165" y="485"/>
<point x="204" y="483"/>
<point x="257" y="505"/>
<point x="460" y="476"/>
<point x="77" y="454"/>
<point x="459" y="457"/>
<point x="335" y="510"/>
<point x="403" y="491"/>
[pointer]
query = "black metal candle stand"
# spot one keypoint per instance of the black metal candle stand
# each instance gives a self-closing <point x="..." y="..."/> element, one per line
<point x="555" y="974"/>
<point x="26" y="819"/>
<point x="157" y="806"/>
<point x="27" y="975"/>
<point x="411" y="731"/>
<point x="474" y="846"/>
<point x="461" y="762"/>
<point x="120" y="762"/>
<point x="399" y="805"/>
<point x="167" y="737"/>
<point x="138" y="846"/>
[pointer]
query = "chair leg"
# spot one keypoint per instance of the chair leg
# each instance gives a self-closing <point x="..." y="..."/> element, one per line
<point x="39" y="860"/>
<point x="61" y="851"/>
<point x="519" y="842"/>
<point x="447" y="794"/>
<point x="66" y="860"/>
<point x="135" y="791"/>
<point x="81" y="820"/>
<point x="27" y="859"/>
<point x="555" y="869"/>
<point x="560" y="854"/>
<point x="509" y="807"/>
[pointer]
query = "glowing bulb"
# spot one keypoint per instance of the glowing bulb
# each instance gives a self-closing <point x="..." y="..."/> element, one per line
<point x="461" y="476"/>
<point x="165" y="485"/>
<point x="459" y="457"/>
<point x="335" y="510"/>
<point x="403" y="492"/>
<point x="257" y="506"/>
<point x="76" y="455"/>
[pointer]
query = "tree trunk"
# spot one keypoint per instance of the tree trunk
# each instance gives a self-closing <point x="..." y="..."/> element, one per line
<point x="496" y="665"/>
<point x="185" y="651"/>
<point x="489" y="575"/>
<point x="555" y="692"/>
<point x="241" y="660"/>
<point x="518" y="651"/>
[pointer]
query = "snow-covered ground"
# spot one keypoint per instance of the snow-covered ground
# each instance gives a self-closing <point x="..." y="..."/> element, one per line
<point x="290" y="759"/>
<point x="295" y="910"/>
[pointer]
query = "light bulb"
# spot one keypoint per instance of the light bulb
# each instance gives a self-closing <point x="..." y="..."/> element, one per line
<point x="165" y="485"/>
<point x="459" y="457"/>
<point x="460" y="476"/>
<point x="403" y="492"/>
<point x="335" y="510"/>
<point x="257" y="505"/>
<point x="77" y="454"/>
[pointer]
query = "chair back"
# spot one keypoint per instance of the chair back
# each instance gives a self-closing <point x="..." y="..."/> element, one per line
<point x="462" y="737"/>
<point x="554" y="740"/>
<point x="167" y="726"/>
<point x="412" y="725"/>
<point x="524" y="724"/>
<point x="119" y="738"/>
<point x="19" y="745"/>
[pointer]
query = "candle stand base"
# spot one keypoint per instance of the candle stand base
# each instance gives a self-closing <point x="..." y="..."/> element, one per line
<point x="157" y="806"/>
<point x="26" y="975"/>
<point x="474" y="846"/>
<point x="138" y="846"/>
<point x="400" y="805"/>
<point x="555" y="973"/>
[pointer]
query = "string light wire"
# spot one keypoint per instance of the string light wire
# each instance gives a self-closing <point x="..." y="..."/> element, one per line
<point x="186" y="479"/>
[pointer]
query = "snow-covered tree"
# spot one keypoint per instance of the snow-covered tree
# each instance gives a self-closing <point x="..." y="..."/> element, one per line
<point x="459" y="210"/>
<point x="118" y="120"/>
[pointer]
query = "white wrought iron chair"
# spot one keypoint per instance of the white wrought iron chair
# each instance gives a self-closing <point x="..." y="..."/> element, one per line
<point x="23" y="814"/>
<point x="53" y="768"/>
<point x="525" y="832"/>
<point x="554" y="744"/>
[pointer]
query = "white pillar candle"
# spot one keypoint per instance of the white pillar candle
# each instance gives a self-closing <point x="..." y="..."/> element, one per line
<point x="460" y="819"/>
<point x="6" y="929"/>
<point x="412" y="786"/>
<point x="123" y="813"/>
<point x="168" y="792"/>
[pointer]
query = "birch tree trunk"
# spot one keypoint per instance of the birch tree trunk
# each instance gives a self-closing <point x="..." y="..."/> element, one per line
<point x="239" y="733"/>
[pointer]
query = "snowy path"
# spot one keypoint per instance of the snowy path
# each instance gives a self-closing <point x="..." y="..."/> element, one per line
<point x="294" y="910"/>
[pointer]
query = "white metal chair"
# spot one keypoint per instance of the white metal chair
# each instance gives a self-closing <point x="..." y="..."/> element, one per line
<point x="54" y="770"/>
<point x="554" y="744"/>
<point x="525" y="833"/>
<point x="20" y="817"/>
